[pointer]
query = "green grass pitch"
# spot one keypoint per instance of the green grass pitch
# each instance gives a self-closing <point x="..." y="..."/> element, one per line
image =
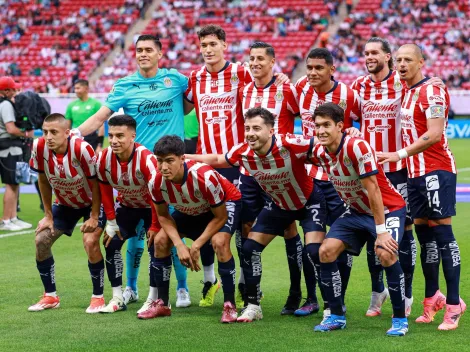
<point x="198" y="329"/>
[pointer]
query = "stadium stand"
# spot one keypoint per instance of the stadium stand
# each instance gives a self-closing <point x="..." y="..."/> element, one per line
<point x="49" y="44"/>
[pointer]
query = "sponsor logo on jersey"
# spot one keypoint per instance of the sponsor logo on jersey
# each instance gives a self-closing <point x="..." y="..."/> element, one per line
<point x="393" y="222"/>
<point x="437" y="111"/>
<point x="432" y="183"/>
<point x="153" y="107"/>
<point x="211" y="103"/>
<point x="378" y="129"/>
<point x="153" y="86"/>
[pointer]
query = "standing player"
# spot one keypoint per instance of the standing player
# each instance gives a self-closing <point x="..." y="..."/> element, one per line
<point x="277" y="164"/>
<point x="207" y="208"/>
<point x="431" y="184"/>
<point x="79" y="110"/>
<point x="154" y="98"/>
<point x="314" y="89"/>
<point x="66" y="165"/>
<point x="381" y="93"/>
<point x="125" y="166"/>
<point x="281" y="101"/>
<point x="375" y="209"/>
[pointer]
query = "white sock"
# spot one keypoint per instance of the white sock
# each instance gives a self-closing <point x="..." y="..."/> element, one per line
<point x="6" y="222"/>
<point x="96" y="296"/>
<point x="209" y="274"/>
<point x="51" y="294"/>
<point x="153" y="293"/>
<point x="14" y="219"/>
<point x="117" y="292"/>
<point x="241" y="280"/>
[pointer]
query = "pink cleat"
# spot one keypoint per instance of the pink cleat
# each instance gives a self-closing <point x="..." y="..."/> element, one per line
<point x="452" y="316"/>
<point x="432" y="305"/>
<point x="229" y="314"/>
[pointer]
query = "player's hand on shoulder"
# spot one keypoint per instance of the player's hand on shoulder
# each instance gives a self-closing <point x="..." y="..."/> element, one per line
<point x="436" y="81"/>
<point x="385" y="241"/>
<point x="45" y="223"/>
<point x="353" y="132"/>
<point x="281" y="78"/>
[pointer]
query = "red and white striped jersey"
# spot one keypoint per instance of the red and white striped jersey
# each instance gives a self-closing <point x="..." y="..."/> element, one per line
<point x="216" y="100"/>
<point x="67" y="174"/>
<point x="309" y="100"/>
<point x="425" y="101"/>
<point x="281" y="101"/>
<point x="202" y="188"/>
<point x="129" y="177"/>
<point x="380" y="108"/>
<point x="355" y="159"/>
<point x="281" y="172"/>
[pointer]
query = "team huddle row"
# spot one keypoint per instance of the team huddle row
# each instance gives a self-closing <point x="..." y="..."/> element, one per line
<point x="251" y="177"/>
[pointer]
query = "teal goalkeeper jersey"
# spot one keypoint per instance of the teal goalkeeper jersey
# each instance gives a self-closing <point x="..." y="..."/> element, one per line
<point x="155" y="103"/>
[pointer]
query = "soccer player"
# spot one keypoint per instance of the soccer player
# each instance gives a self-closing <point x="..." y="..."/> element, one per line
<point x="281" y="101"/>
<point x="125" y="166"/>
<point x="314" y="89"/>
<point x="207" y="208"/>
<point x="79" y="110"/>
<point x="431" y="184"/>
<point x="381" y="93"/>
<point x="277" y="164"/>
<point x="66" y="165"/>
<point x="375" y="209"/>
<point x="153" y="96"/>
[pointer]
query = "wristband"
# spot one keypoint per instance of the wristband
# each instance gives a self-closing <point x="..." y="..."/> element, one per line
<point x="380" y="228"/>
<point x="111" y="228"/>
<point x="402" y="153"/>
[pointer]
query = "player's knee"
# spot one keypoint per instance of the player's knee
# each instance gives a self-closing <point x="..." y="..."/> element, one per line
<point x="327" y="253"/>
<point x="90" y="242"/>
<point x="386" y="258"/>
<point x="162" y="245"/>
<point x="291" y="231"/>
<point x="246" y="228"/>
<point x="43" y="244"/>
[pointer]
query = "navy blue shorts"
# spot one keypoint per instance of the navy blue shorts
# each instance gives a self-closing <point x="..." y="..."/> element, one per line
<point x="335" y="206"/>
<point x="433" y="195"/>
<point x="355" y="229"/>
<point x="273" y="220"/>
<point x="193" y="226"/>
<point x="399" y="180"/>
<point x="128" y="218"/>
<point x="253" y="198"/>
<point x="66" y="218"/>
<point x="230" y="173"/>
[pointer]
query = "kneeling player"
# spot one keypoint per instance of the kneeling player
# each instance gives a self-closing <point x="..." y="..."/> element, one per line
<point x="66" y="165"/>
<point x="125" y="166"/>
<point x="207" y="208"/>
<point x="375" y="209"/>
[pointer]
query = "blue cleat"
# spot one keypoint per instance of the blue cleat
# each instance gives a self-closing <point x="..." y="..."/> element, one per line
<point x="399" y="327"/>
<point x="309" y="307"/>
<point x="332" y="322"/>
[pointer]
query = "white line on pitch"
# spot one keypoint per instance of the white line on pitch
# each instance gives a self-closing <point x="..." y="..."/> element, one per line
<point x="25" y="232"/>
<point x="465" y="169"/>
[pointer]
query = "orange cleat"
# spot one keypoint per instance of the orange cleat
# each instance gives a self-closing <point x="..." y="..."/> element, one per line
<point x="432" y="305"/>
<point x="46" y="302"/>
<point x="96" y="304"/>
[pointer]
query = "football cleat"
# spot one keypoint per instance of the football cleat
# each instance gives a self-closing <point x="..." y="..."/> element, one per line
<point x="376" y="301"/>
<point x="208" y="293"/>
<point x="146" y="305"/>
<point x="309" y="307"/>
<point x="9" y="227"/>
<point x="116" y="304"/>
<point x="432" y="305"/>
<point x="332" y="322"/>
<point x="22" y="224"/>
<point x="250" y="313"/>
<point x="408" y="304"/>
<point x="229" y="313"/>
<point x="182" y="298"/>
<point x="129" y="295"/>
<point x="452" y="316"/>
<point x="46" y="302"/>
<point x="96" y="304"/>
<point x="155" y="310"/>
<point x="399" y="327"/>
<point x="292" y="304"/>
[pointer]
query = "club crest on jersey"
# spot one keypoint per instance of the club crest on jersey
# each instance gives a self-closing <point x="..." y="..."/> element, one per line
<point x="279" y="96"/>
<point x="198" y="193"/>
<point x="234" y="79"/>
<point x="125" y="176"/>
<point x="397" y="85"/>
<point x="139" y="174"/>
<point x="342" y="104"/>
<point x="75" y="163"/>
<point x="167" y="82"/>
<point x="284" y="153"/>
<point x="347" y="161"/>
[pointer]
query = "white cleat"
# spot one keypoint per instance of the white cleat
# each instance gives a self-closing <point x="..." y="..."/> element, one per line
<point x="376" y="301"/>
<point x="9" y="227"/>
<point x="116" y="304"/>
<point x="250" y="313"/>
<point x="129" y="295"/>
<point x="22" y="224"/>
<point x="182" y="298"/>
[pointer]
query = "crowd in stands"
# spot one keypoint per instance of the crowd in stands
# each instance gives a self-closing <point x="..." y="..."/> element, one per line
<point x="441" y="28"/>
<point x="48" y="44"/>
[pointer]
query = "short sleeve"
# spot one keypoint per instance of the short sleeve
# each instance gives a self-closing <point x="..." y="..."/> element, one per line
<point x="366" y="162"/>
<point x="293" y="100"/>
<point x="188" y="94"/>
<point x="298" y="144"/>
<point x="183" y="82"/>
<point x="215" y="194"/>
<point x="36" y="162"/>
<point x="88" y="160"/>
<point x="433" y="102"/>
<point x="233" y="157"/>
<point x="100" y="166"/>
<point x="154" y="187"/>
<point x="150" y="166"/>
<point x="117" y="97"/>
<point x="7" y="112"/>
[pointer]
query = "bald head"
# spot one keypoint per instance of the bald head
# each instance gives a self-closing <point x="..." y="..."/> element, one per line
<point x="409" y="61"/>
<point x="412" y="49"/>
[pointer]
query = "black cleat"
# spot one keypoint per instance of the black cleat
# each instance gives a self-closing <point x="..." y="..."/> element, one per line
<point x="292" y="304"/>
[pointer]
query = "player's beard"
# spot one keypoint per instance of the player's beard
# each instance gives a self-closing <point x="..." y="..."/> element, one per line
<point x="379" y="67"/>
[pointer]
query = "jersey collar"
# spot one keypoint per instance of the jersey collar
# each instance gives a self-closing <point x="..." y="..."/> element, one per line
<point x="388" y="76"/>
<point x="273" y="140"/>
<point x="340" y="145"/>
<point x="420" y="82"/>
<point x="185" y="176"/>
<point x="66" y="149"/>
<point x="130" y="157"/>
<point x="223" y="68"/>
<point x="271" y="82"/>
